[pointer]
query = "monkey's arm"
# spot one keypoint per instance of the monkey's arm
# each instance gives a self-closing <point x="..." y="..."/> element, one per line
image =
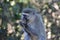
<point x="31" y="32"/>
<point x="28" y="29"/>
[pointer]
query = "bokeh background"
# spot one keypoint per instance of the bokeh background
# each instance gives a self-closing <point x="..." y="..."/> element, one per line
<point x="10" y="13"/>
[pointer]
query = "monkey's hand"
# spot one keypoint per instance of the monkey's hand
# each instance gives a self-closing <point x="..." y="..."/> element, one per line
<point x="22" y="24"/>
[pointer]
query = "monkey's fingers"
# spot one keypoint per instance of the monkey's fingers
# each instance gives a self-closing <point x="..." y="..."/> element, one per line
<point x="22" y="24"/>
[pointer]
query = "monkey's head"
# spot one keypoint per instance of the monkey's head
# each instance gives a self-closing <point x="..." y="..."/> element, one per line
<point x="28" y="15"/>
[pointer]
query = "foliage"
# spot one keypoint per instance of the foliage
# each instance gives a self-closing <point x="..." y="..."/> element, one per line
<point x="10" y="13"/>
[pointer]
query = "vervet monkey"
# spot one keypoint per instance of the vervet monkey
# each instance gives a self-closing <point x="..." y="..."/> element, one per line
<point x="33" y="26"/>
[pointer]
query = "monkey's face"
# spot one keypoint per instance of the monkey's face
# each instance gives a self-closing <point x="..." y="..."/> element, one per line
<point x="27" y="16"/>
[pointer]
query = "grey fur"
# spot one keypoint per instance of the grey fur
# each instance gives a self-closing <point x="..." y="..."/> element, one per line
<point x="36" y="28"/>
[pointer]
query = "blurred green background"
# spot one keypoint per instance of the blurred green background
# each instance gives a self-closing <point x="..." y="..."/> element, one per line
<point x="10" y="13"/>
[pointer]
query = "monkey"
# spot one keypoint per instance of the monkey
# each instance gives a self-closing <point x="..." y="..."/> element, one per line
<point x="33" y="26"/>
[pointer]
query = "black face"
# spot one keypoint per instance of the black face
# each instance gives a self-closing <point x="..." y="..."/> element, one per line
<point x="26" y="13"/>
<point x="27" y="16"/>
<point x="24" y="17"/>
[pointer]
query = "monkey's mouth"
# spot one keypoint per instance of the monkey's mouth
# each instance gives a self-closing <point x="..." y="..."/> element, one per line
<point x="23" y="21"/>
